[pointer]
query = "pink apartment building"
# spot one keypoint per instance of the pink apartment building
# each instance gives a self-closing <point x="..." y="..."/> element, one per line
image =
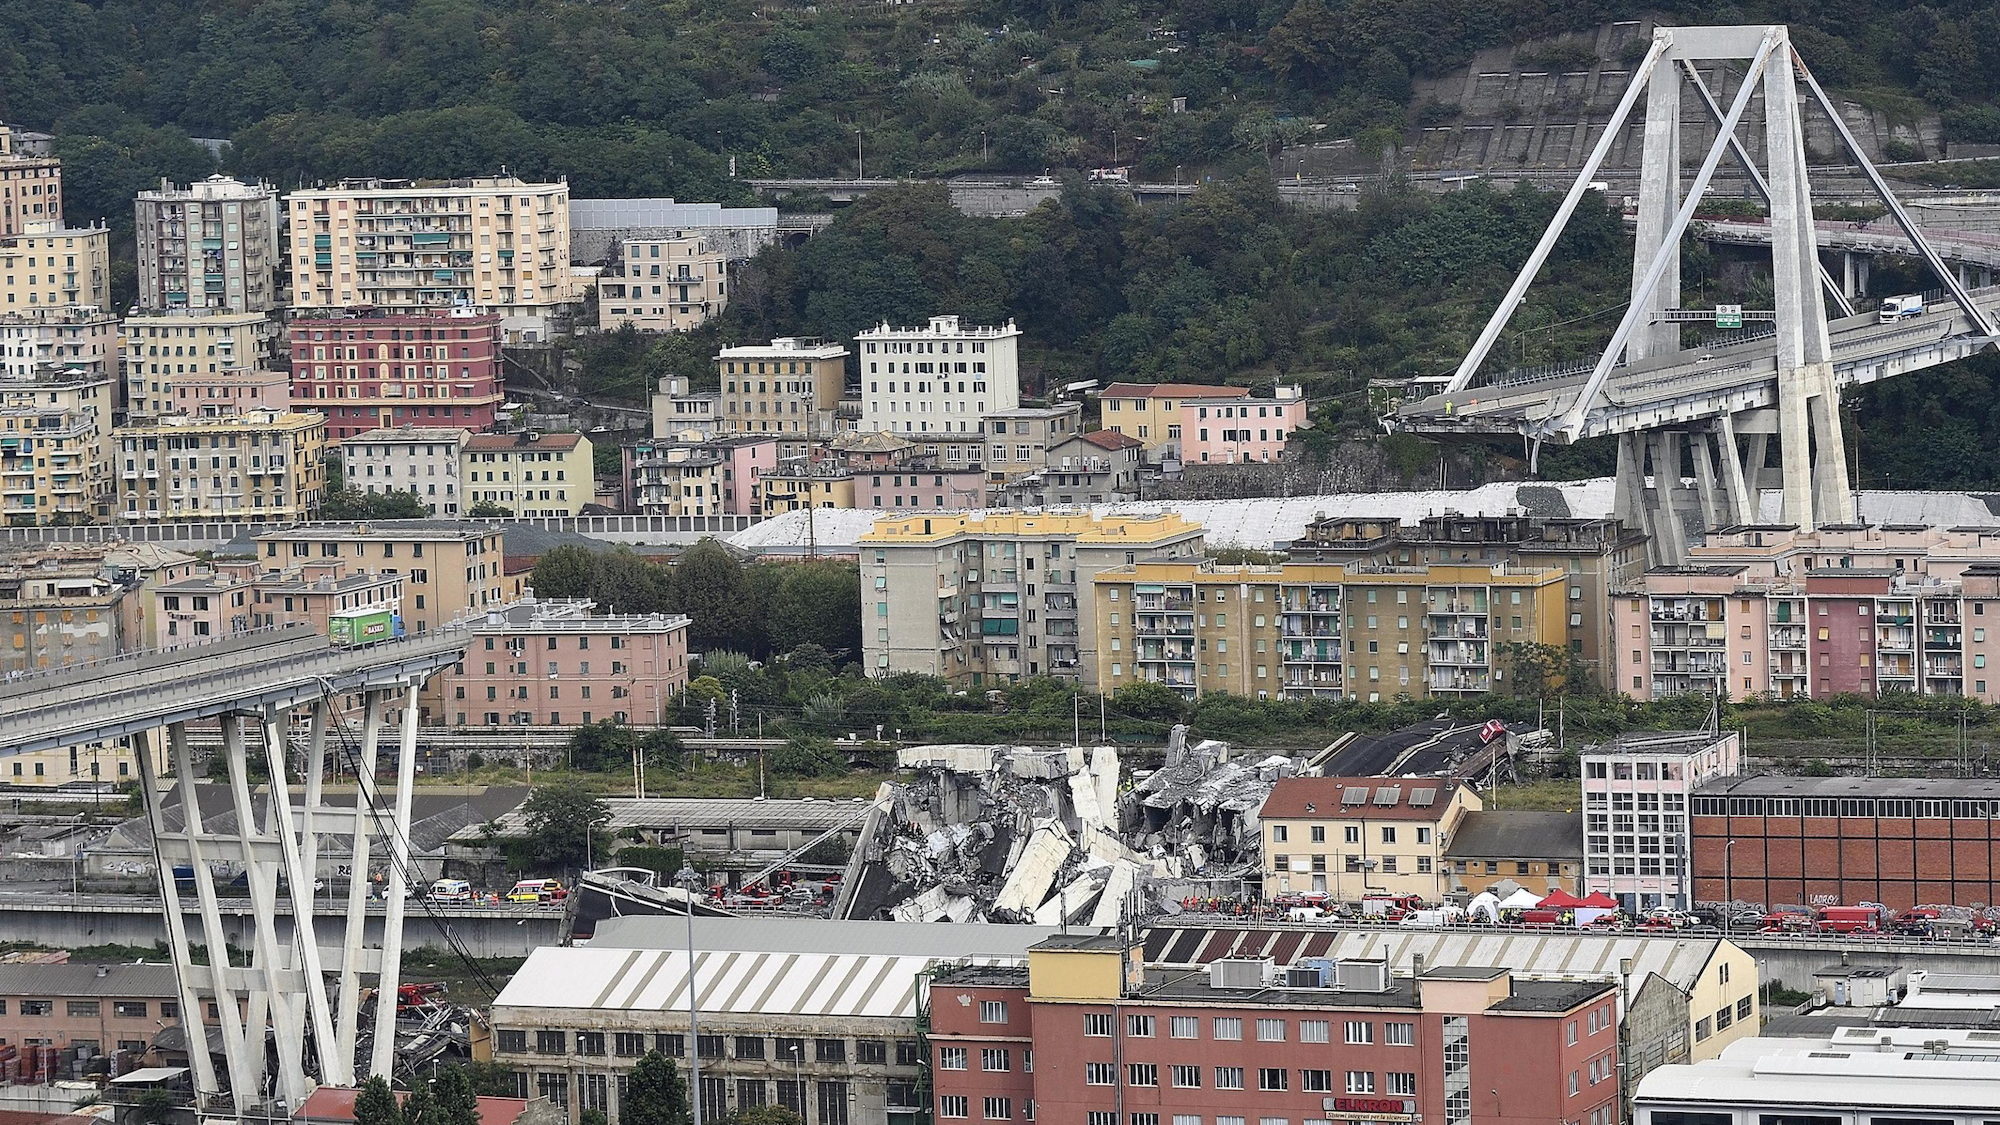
<point x="366" y="371"/>
<point x="552" y="663"/>
<point x="235" y="597"/>
<point x="231" y="392"/>
<point x="1221" y="431"/>
<point x="914" y="487"/>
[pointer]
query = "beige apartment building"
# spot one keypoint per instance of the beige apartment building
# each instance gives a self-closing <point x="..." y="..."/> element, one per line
<point x="449" y="567"/>
<point x="55" y="448"/>
<point x="986" y="599"/>
<point x="47" y="264"/>
<point x="789" y="387"/>
<point x="1151" y="412"/>
<point x="1019" y="439"/>
<point x="400" y="245"/>
<point x="210" y="245"/>
<point x="164" y="348"/>
<point x="59" y="337"/>
<point x="1349" y="837"/>
<point x="528" y="473"/>
<point x="30" y="187"/>
<point x="260" y="464"/>
<point x="662" y="284"/>
<point x="1306" y="631"/>
<point x="71" y="604"/>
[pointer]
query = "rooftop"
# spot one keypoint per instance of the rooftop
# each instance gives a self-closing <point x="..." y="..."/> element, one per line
<point x="572" y="615"/>
<point x="1772" y="785"/>
<point x="409" y="433"/>
<point x="1949" y="1070"/>
<point x="689" y="814"/>
<point x="1498" y="834"/>
<point x="1361" y="798"/>
<point x="427" y="530"/>
<point x="939" y="326"/>
<point x="821" y="935"/>
<point x="375" y="184"/>
<point x="1682" y="742"/>
<point x="1085" y="529"/>
<point x="1111" y="439"/>
<point x="1172" y="390"/>
<point x="793" y="347"/>
<point x="215" y="187"/>
<point x="504" y="443"/>
<point x="248" y="419"/>
<point x="82" y="980"/>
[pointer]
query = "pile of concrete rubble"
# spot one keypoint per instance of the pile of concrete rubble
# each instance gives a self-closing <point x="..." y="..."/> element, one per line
<point x="1044" y="835"/>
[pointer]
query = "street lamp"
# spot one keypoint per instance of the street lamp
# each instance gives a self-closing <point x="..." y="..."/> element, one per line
<point x="690" y="881"/>
<point x="857" y="176"/>
<point x="1728" y="889"/>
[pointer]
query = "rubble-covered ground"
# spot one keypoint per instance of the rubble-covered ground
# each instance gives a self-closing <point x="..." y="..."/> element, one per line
<point x="1044" y="835"/>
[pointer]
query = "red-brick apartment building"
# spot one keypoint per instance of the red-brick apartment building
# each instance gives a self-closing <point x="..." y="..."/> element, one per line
<point x="1086" y="1035"/>
<point x="366" y="370"/>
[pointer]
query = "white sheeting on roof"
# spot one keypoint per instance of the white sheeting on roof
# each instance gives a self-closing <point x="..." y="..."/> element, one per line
<point x="741" y="983"/>
<point x="1556" y="955"/>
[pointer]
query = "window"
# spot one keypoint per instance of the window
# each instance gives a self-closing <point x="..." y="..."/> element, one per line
<point x="828" y="1050"/>
<point x="992" y="1011"/>
<point x="832" y="1102"/>
<point x="1574" y="1085"/>
<point x="907" y="1053"/>
<point x="1316" y="1081"/>
<point x="1400" y="1082"/>
<point x="994" y="1059"/>
<point x="870" y="1052"/>
<point x="999" y="1109"/>
<point x="1351" y="833"/>
<point x="513" y="1042"/>
<point x="1724" y="1016"/>
<point x="1097" y="1023"/>
<point x="1360" y="1081"/>
<point x="1270" y="1031"/>
<point x="628" y="1044"/>
<point x="589" y="1042"/>
<point x="951" y="1058"/>
<point x="1147" y="1118"/>
<point x="1743" y="1008"/>
<point x="1701" y="1030"/>
<point x="1100" y="1117"/>
<point x="1226" y="1027"/>
<point x="129" y="1009"/>
<point x="708" y="1046"/>
<point x="793" y="1050"/>
<point x="749" y="1046"/>
<point x="1100" y="1074"/>
<point x="1186" y="1027"/>
<point x="1398" y="1034"/>
<point x="1279" y="833"/>
<point x="1388" y="833"/>
<point x="1360" y="1031"/>
<point x="1142" y="1074"/>
<point x="550" y="1042"/>
<point x="1315" y="1031"/>
<point x="1229" y="1078"/>
<point x="1141" y="1026"/>
<point x="1187" y="1077"/>
<point x="951" y="1105"/>
<point x="84" y="1007"/>
<point x="1273" y="1078"/>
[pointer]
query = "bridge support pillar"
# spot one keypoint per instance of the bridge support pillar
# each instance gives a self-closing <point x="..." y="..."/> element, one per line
<point x="1848" y="275"/>
<point x="1862" y="267"/>
<point x="1651" y="508"/>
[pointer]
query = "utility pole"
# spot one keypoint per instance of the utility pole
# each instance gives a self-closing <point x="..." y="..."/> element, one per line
<point x="735" y="713"/>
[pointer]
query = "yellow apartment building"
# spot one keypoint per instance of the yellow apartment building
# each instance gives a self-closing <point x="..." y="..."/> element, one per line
<point x="257" y="464"/>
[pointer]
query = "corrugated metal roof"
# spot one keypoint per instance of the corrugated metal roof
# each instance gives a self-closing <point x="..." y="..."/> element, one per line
<point x="740" y="983"/>
<point x="134" y="982"/>
<point x="938" y="940"/>
<point x="1678" y="960"/>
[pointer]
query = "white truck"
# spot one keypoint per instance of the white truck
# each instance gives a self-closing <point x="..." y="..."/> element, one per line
<point x="1907" y="306"/>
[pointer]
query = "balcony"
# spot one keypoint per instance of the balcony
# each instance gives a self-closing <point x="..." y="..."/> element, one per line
<point x="1463" y="628"/>
<point x="1439" y="682"/>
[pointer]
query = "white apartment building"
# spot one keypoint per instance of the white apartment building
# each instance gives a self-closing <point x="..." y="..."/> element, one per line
<point x="47" y="264"/>
<point x="681" y="414"/>
<point x="420" y="460"/>
<point x="662" y="284"/>
<point x="62" y="337"/>
<point x="1635" y="812"/>
<point x="165" y="348"/>
<point x="398" y="245"/>
<point x="943" y="377"/>
<point x="210" y="245"/>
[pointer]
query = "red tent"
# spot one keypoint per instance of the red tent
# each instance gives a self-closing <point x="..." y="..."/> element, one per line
<point x="1599" y="900"/>
<point x="1563" y="900"/>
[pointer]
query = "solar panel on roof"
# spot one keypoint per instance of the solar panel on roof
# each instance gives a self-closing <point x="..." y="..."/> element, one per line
<point x="1388" y="795"/>
<point x="1419" y="798"/>
<point x="1355" y="795"/>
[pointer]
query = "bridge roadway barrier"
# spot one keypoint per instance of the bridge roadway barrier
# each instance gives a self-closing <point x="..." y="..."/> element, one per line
<point x="64" y="921"/>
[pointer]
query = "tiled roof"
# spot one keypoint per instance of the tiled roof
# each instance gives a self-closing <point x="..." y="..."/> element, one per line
<point x="1172" y="390"/>
<point x="1359" y="798"/>
<point x="1111" y="439"/>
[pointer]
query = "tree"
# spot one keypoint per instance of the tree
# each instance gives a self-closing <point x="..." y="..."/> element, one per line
<point x="766" y="1114"/>
<point x="1156" y="702"/>
<point x="376" y="1104"/>
<point x="566" y="825"/>
<point x="602" y="745"/>
<point x="564" y="572"/>
<point x="486" y="1079"/>
<point x="819" y="604"/>
<point x="354" y="504"/>
<point x="1539" y="671"/>
<point x="487" y="509"/>
<point x="457" y="1100"/>
<point x="806" y="757"/>
<point x="708" y="586"/>
<point x="419" y="1106"/>
<point x="655" y="1095"/>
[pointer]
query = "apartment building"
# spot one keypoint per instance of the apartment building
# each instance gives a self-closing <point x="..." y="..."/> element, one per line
<point x="262" y="464"/>
<point x="1636" y="792"/>
<point x="47" y="264"/>
<point x="237" y="596"/>
<point x="985" y="599"/>
<point x="449" y="567"/>
<point x="382" y="369"/>
<point x="944" y="376"/>
<point x="210" y="245"/>
<point x="65" y="337"/>
<point x="104" y="1007"/>
<point x="1599" y="554"/>
<point x="790" y="387"/>
<point x="1354" y="836"/>
<point x="874" y="449"/>
<point x="807" y="484"/>
<point x="163" y="348"/>
<point x="919" y="485"/>
<point x="529" y="473"/>
<point x="405" y="246"/>
<point x="1302" y="631"/>
<point x="423" y="461"/>
<point x="555" y="663"/>
<point x="228" y="392"/>
<point x="1099" y="467"/>
<point x="1197" y="423"/>
<point x="55" y="448"/>
<point x="61" y="607"/>
<point x="30" y="187"/>
<point x="667" y="284"/>
<point x="1088" y="1034"/>
<point x="1019" y="439"/>
<point x="722" y="476"/>
<point x="683" y="414"/>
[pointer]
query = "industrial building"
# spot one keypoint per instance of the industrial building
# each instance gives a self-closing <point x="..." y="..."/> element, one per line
<point x="1856" y="1075"/>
